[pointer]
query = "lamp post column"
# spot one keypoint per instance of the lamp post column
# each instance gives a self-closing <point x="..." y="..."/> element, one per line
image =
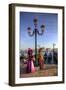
<point x="36" y="59"/>
<point x="53" y="54"/>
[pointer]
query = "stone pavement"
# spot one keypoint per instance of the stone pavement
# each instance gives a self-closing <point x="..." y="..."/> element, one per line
<point x="49" y="70"/>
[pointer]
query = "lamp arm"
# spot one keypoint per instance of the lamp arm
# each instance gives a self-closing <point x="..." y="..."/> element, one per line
<point x="40" y="33"/>
<point x="31" y="34"/>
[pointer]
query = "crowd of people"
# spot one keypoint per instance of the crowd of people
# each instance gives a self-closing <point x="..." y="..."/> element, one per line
<point x="51" y="57"/>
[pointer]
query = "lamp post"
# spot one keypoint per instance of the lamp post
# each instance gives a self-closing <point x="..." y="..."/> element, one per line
<point x="53" y="53"/>
<point x="36" y="32"/>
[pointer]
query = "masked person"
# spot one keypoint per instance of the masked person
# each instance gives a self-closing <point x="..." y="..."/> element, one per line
<point x="30" y="63"/>
<point x="41" y="59"/>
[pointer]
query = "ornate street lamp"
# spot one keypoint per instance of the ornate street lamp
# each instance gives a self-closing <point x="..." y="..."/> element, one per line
<point x="36" y="32"/>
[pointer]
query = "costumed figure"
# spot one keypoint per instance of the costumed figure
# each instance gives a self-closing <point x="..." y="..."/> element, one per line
<point x="30" y="63"/>
<point x="41" y="59"/>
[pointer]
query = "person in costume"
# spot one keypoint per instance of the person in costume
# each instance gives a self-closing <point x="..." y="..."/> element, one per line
<point x="30" y="63"/>
<point x="41" y="59"/>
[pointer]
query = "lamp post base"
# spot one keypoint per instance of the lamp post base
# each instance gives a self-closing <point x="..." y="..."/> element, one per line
<point x="36" y="63"/>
